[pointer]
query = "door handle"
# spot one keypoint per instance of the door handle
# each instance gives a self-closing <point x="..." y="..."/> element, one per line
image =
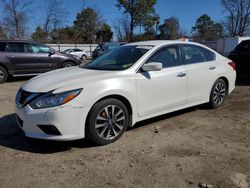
<point x="181" y="74"/>
<point x="212" y="68"/>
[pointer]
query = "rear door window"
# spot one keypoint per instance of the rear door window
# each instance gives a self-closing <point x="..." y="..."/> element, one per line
<point x="194" y="54"/>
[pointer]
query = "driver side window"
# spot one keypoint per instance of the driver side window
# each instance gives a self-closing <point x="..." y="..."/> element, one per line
<point x="37" y="48"/>
<point x="168" y="56"/>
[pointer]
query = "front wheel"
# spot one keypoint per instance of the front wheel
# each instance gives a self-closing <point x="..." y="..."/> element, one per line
<point x="107" y="121"/>
<point x="67" y="64"/>
<point x="84" y="57"/>
<point x="218" y="93"/>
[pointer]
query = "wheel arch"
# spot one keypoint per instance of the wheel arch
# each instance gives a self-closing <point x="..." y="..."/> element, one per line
<point x="121" y="98"/>
<point x="4" y="66"/>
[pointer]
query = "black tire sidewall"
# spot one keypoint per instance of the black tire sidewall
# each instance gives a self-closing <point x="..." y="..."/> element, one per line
<point x="5" y="77"/>
<point x="91" y="133"/>
<point x="212" y="104"/>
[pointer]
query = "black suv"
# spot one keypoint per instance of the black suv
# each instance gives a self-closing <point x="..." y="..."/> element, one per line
<point x="241" y="56"/>
<point x="25" y="58"/>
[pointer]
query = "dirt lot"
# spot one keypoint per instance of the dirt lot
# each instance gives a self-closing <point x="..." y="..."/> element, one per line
<point x="181" y="149"/>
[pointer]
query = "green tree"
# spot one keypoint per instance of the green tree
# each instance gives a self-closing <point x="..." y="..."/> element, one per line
<point x="104" y="34"/>
<point x="206" y="29"/>
<point x="39" y="35"/>
<point x="63" y="35"/>
<point x="139" y="11"/>
<point x="86" y="25"/>
<point x="170" y="29"/>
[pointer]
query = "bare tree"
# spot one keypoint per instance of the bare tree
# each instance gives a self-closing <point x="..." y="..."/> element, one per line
<point x="15" y="17"/>
<point x="122" y="28"/>
<point x="238" y="19"/>
<point x="54" y="16"/>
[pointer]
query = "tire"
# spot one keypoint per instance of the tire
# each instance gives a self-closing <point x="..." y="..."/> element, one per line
<point x="102" y="129"/>
<point x="84" y="57"/>
<point x="218" y="93"/>
<point x="3" y="75"/>
<point x="68" y="64"/>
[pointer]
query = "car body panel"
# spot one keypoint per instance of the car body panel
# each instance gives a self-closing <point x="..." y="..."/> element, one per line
<point x="26" y="62"/>
<point x="240" y="56"/>
<point x="149" y="93"/>
<point x="76" y="52"/>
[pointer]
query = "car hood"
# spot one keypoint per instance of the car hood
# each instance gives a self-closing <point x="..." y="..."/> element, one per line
<point x="67" y="77"/>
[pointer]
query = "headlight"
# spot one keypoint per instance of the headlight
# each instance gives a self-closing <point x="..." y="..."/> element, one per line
<point x="52" y="100"/>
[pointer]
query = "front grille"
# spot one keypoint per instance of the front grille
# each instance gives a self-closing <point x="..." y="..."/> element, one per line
<point x="24" y="97"/>
<point x="20" y="122"/>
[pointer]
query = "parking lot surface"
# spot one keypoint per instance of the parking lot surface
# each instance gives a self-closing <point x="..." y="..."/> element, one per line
<point x="181" y="149"/>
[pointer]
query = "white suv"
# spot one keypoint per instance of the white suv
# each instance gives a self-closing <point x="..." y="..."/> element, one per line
<point x="77" y="52"/>
<point x="134" y="82"/>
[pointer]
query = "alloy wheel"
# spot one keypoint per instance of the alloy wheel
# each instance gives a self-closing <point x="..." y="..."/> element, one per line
<point x="219" y="93"/>
<point x="68" y="65"/>
<point x="110" y="122"/>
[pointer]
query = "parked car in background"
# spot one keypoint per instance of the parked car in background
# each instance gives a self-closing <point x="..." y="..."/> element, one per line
<point x="103" y="48"/>
<point x="25" y="58"/>
<point x="241" y="56"/>
<point x="134" y="82"/>
<point x="77" y="52"/>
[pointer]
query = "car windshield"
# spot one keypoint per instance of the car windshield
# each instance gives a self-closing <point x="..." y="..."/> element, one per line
<point x="120" y="58"/>
<point x="66" y="50"/>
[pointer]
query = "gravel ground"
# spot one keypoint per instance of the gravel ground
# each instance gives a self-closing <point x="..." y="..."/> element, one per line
<point x="181" y="149"/>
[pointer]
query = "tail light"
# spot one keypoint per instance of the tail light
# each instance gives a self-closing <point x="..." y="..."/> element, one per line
<point x="233" y="65"/>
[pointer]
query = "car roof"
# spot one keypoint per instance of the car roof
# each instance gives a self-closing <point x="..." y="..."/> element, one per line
<point x="161" y="42"/>
<point x="21" y="41"/>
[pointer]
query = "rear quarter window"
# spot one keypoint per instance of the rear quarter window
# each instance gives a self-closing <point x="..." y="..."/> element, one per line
<point x="14" y="47"/>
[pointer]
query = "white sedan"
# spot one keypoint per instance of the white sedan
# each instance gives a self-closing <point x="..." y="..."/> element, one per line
<point x="129" y="84"/>
<point x="77" y="52"/>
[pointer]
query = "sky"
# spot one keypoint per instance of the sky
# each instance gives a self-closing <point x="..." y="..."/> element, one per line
<point x="186" y="10"/>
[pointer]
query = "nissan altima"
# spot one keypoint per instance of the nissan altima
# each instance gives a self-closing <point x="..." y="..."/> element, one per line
<point x="134" y="82"/>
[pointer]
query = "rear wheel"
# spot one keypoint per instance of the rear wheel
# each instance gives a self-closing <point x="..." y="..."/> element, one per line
<point x="3" y="75"/>
<point x="67" y="64"/>
<point x="218" y="93"/>
<point x="107" y="121"/>
<point x="84" y="57"/>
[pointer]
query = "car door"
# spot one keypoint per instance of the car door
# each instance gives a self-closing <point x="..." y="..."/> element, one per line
<point x="44" y="59"/>
<point x="19" y="57"/>
<point x="201" y="71"/>
<point x="159" y="91"/>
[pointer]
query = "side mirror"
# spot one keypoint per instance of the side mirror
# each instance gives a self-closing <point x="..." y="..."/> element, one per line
<point x="152" y="66"/>
<point x="51" y="52"/>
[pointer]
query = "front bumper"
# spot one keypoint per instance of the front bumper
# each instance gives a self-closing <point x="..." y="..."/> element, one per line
<point x="67" y="119"/>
